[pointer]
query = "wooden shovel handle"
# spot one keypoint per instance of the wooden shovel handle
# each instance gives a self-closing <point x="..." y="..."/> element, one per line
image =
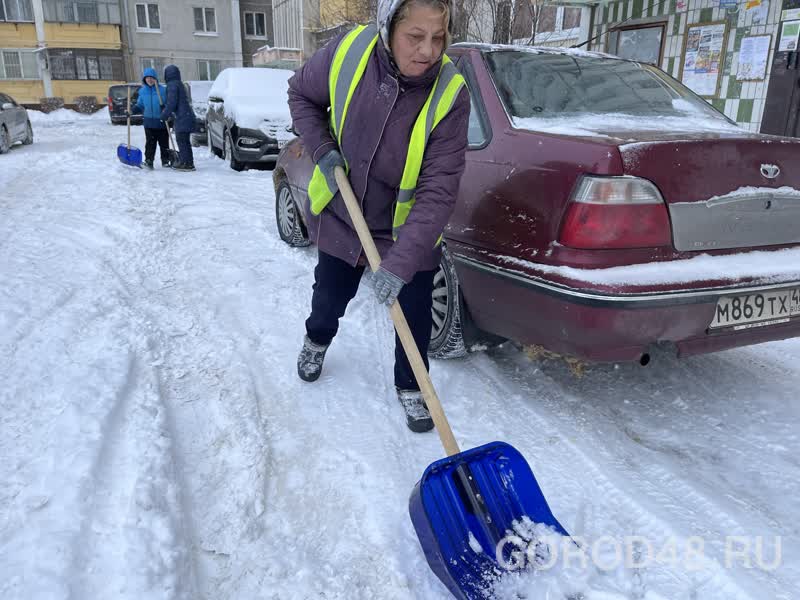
<point x="169" y="131"/>
<point x="129" y="116"/>
<point x="400" y="323"/>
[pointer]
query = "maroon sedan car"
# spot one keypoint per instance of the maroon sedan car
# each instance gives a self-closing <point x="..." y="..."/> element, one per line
<point x="605" y="210"/>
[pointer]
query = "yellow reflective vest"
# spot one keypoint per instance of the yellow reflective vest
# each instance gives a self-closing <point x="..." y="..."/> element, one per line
<point x="349" y="63"/>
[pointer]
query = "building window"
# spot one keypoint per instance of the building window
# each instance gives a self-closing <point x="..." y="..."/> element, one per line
<point x="73" y="63"/>
<point x="255" y="25"/>
<point x="147" y="17"/>
<point x="106" y="67"/>
<point x="557" y="23"/>
<point x="77" y="11"/>
<point x="205" y="20"/>
<point x="642" y="44"/>
<point x="153" y="62"/>
<point x="18" y="64"/>
<point x="207" y="70"/>
<point x="16" y="10"/>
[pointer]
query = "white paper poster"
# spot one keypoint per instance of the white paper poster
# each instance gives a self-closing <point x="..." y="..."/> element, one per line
<point x="760" y="11"/>
<point x="790" y="15"/>
<point x="702" y="61"/>
<point x="789" y="34"/>
<point x="753" y="57"/>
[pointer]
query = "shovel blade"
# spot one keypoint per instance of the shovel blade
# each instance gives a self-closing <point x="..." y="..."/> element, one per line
<point x="129" y="155"/>
<point x="460" y="545"/>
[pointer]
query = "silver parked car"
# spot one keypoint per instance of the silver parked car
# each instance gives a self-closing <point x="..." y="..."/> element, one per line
<point x="14" y="124"/>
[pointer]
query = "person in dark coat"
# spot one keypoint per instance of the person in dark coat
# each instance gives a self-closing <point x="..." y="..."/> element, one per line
<point x="151" y="96"/>
<point x="177" y="107"/>
<point x="401" y="71"/>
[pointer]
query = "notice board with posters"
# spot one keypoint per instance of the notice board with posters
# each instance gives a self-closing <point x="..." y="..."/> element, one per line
<point x="753" y="58"/>
<point x="704" y="57"/>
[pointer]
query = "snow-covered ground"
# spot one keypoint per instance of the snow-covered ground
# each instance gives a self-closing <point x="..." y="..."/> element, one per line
<point x="157" y="443"/>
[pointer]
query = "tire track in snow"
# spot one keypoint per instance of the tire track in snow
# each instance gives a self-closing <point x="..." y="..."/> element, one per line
<point x="110" y="505"/>
<point x="158" y="527"/>
<point x="333" y="539"/>
<point x="211" y="391"/>
<point x="104" y="493"/>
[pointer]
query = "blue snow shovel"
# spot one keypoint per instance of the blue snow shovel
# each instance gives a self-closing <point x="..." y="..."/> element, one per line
<point x="466" y="504"/>
<point x="127" y="154"/>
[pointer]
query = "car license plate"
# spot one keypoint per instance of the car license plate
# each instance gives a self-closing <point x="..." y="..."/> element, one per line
<point x="755" y="310"/>
<point x="282" y="143"/>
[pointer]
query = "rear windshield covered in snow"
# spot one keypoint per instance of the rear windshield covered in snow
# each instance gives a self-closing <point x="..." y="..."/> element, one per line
<point x="545" y="85"/>
<point x="118" y="92"/>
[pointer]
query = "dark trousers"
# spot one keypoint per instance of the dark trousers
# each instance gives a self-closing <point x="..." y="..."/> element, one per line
<point x="184" y="148"/>
<point x="336" y="283"/>
<point x="160" y="137"/>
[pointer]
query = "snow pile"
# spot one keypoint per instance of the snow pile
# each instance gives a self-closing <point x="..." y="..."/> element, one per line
<point x="65" y="115"/>
<point x="544" y="564"/>
<point x="600" y="124"/>
<point x="763" y="266"/>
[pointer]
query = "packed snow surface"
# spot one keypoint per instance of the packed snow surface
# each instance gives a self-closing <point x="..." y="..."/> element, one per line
<point x="157" y="443"/>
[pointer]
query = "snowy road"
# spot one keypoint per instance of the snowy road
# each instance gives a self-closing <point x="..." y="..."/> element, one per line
<point x="157" y="443"/>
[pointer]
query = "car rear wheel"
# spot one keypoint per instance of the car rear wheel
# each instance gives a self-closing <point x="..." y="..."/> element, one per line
<point x="5" y="140"/>
<point x="235" y="164"/>
<point x="287" y="217"/>
<point x="212" y="148"/>
<point x="28" y="139"/>
<point x="447" y="338"/>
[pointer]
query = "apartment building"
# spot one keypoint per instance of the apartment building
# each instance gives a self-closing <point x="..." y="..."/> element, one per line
<point x="201" y="37"/>
<point x="257" y="27"/>
<point x="59" y="48"/>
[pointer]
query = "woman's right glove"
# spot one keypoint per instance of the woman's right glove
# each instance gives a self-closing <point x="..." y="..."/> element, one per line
<point x="329" y="161"/>
<point x="386" y="286"/>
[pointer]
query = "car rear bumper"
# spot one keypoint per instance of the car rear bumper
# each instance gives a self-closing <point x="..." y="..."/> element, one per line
<point x="135" y="119"/>
<point x="600" y="326"/>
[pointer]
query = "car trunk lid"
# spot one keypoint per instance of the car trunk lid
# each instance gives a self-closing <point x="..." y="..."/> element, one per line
<point x="723" y="191"/>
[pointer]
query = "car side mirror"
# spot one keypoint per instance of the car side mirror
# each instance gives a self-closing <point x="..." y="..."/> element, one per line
<point x="7" y="106"/>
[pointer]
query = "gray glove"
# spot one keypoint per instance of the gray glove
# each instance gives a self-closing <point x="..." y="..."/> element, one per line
<point x="386" y="286"/>
<point x="329" y="161"/>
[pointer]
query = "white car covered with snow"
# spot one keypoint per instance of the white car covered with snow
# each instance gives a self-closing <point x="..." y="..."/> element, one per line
<point x="198" y="96"/>
<point x="248" y="119"/>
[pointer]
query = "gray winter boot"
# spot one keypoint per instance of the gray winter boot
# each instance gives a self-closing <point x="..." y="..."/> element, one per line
<point x="418" y="418"/>
<point x="309" y="362"/>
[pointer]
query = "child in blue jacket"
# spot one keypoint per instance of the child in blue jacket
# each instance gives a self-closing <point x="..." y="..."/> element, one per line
<point x="155" y="130"/>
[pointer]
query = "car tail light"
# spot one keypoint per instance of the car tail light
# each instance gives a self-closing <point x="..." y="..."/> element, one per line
<point x="110" y="102"/>
<point x="616" y="212"/>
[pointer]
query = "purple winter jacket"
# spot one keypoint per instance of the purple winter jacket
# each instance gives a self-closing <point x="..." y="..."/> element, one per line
<point x="375" y="141"/>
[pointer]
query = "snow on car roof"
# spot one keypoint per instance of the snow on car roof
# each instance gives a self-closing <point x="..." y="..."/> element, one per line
<point x="251" y="82"/>
<point x="252" y="95"/>
<point x="608" y="125"/>
<point x="534" y="50"/>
